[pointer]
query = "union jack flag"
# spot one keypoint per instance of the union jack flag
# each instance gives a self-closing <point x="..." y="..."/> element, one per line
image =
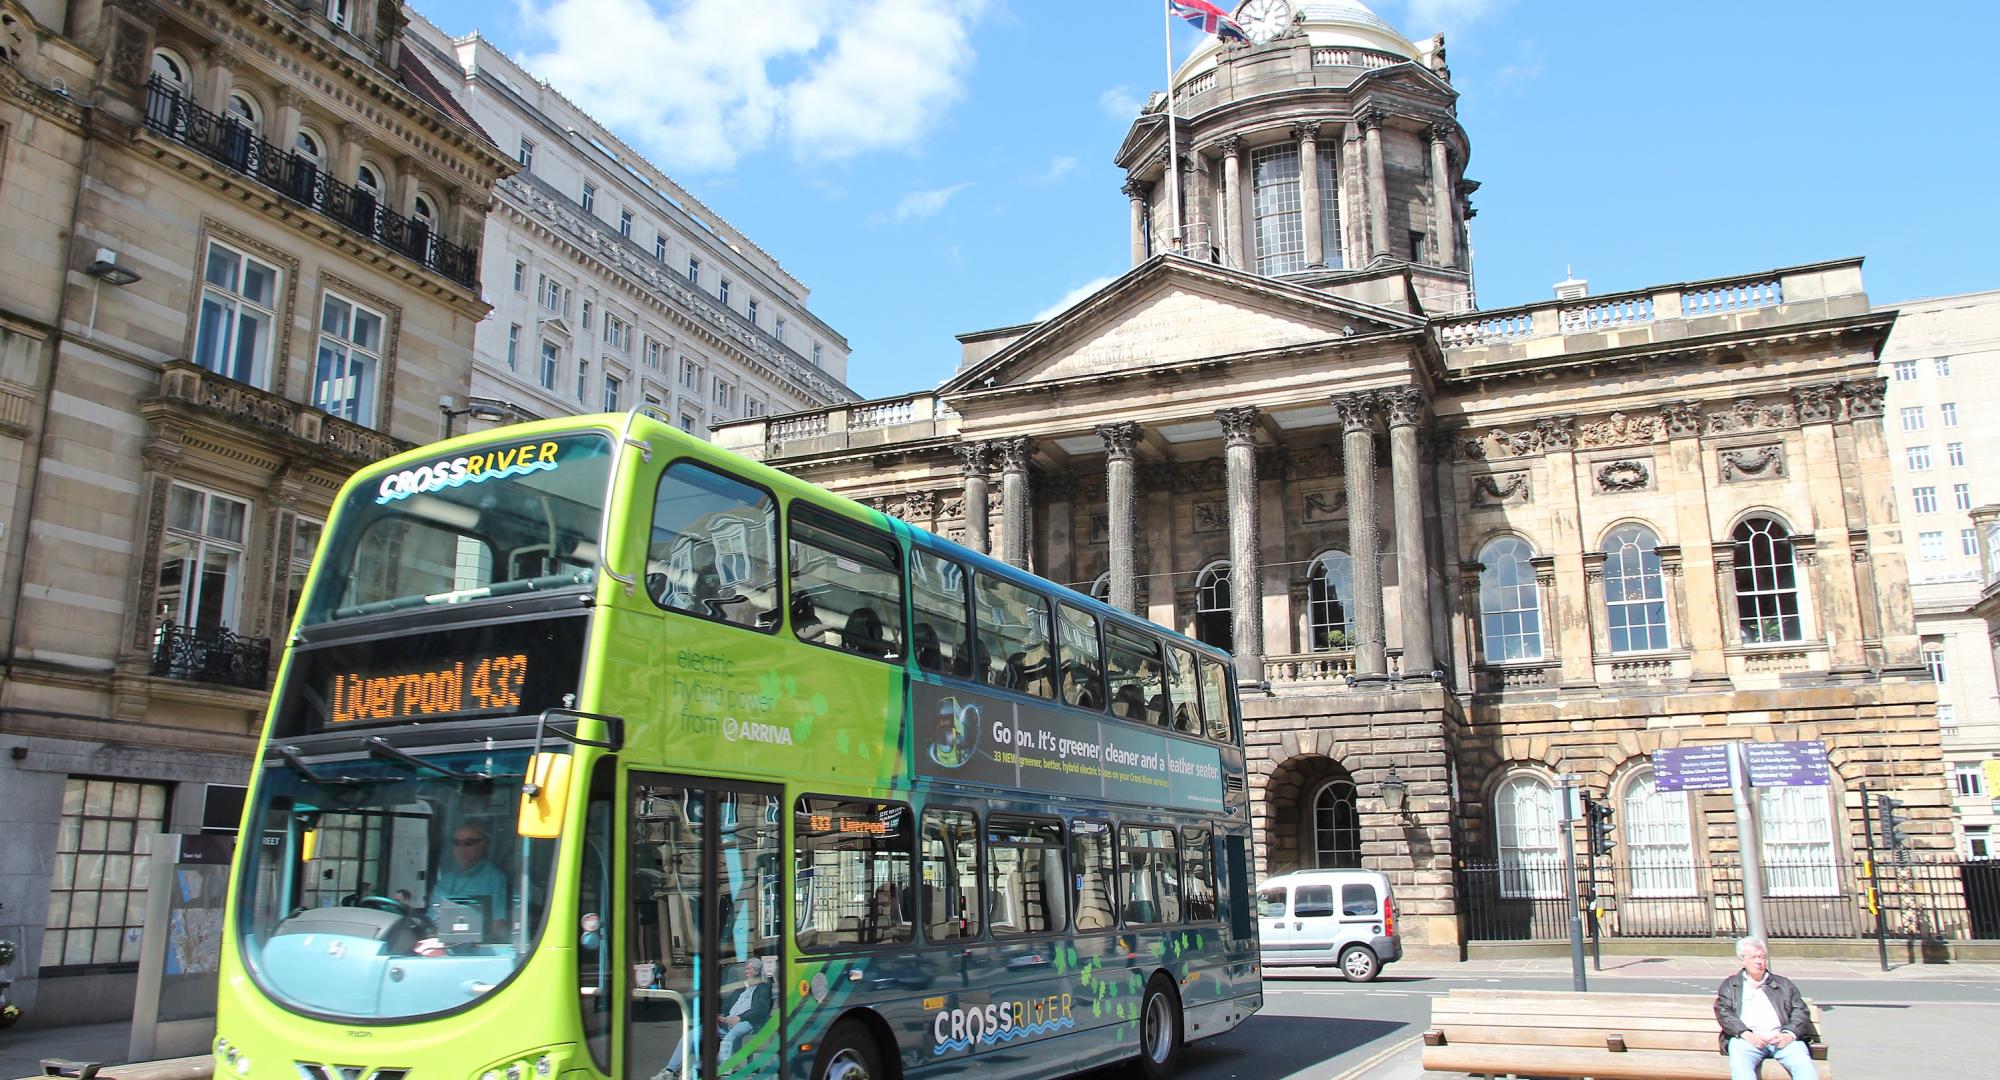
<point x="1207" y="18"/>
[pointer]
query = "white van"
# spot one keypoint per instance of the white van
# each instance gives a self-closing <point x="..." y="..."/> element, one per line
<point x="1343" y="917"/>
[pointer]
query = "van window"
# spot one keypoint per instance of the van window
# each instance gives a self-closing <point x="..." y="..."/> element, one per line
<point x="1271" y="903"/>
<point x="1357" y="899"/>
<point x="1312" y="901"/>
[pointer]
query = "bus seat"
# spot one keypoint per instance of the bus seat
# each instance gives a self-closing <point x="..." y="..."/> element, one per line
<point x="930" y="657"/>
<point x="1129" y="702"/>
<point x="864" y="633"/>
<point x="1156" y="710"/>
<point x="1016" y="677"/>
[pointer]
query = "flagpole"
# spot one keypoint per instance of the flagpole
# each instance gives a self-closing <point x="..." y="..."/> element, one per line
<point x="1173" y="152"/>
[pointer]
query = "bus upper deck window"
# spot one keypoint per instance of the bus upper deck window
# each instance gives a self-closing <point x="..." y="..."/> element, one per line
<point x="1012" y="647"/>
<point x="713" y="551"/>
<point x="937" y="597"/>
<point x="1082" y="664"/>
<point x="1138" y="683"/>
<point x="1215" y="700"/>
<point x="847" y="586"/>
<point x="1181" y="689"/>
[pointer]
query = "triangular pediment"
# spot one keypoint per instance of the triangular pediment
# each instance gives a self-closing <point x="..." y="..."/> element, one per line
<point x="1175" y="311"/>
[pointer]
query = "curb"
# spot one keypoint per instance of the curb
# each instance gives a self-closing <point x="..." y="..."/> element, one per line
<point x="1363" y="1069"/>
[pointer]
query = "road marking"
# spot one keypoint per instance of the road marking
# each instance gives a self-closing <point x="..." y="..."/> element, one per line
<point x="1369" y="1066"/>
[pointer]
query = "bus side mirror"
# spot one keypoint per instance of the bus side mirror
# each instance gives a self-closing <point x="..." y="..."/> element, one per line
<point x="545" y="796"/>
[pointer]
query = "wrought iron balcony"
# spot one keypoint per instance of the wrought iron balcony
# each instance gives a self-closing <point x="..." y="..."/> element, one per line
<point x="228" y="141"/>
<point x="215" y="656"/>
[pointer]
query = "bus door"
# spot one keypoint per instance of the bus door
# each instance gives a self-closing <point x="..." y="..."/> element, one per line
<point x="706" y="929"/>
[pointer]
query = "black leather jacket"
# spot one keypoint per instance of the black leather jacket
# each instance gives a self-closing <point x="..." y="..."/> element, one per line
<point x="1793" y="1015"/>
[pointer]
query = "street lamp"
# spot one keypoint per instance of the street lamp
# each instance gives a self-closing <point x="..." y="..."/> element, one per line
<point x="105" y="268"/>
<point x="491" y="410"/>
<point x="1395" y="794"/>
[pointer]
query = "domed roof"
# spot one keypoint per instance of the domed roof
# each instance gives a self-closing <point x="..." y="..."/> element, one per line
<point x="1327" y="24"/>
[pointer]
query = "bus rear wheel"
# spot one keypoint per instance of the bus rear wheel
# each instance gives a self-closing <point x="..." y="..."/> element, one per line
<point x="1159" y="1030"/>
<point x="849" y="1053"/>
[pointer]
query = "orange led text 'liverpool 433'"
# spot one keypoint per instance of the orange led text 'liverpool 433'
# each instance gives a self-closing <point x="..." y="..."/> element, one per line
<point x="495" y="684"/>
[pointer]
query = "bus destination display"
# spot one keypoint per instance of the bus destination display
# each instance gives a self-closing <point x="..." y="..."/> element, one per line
<point x="473" y="685"/>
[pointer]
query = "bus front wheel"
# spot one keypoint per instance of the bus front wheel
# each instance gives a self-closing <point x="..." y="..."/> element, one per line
<point x="1159" y="1030"/>
<point x="849" y="1053"/>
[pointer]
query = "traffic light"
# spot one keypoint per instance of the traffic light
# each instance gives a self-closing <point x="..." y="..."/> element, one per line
<point x="1892" y="822"/>
<point x="1597" y="816"/>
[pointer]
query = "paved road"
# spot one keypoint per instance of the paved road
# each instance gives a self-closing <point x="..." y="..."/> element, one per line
<point x="1319" y="1027"/>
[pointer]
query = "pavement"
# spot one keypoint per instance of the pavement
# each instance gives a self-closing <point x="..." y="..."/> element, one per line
<point x="1910" y="1020"/>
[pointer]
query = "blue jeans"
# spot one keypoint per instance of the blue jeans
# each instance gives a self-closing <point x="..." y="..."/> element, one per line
<point x="1744" y="1060"/>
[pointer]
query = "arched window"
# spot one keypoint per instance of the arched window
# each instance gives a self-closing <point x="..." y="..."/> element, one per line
<point x="168" y="66"/>
<point x="1510" y="606"/>
<point x="1101" y="588"/>
<point x="426" y="212"/>
<point x="1329" y="602"/>
<point x="244" y="108"/>
<point x="1211" y="605"/>
<point x="369" y="180"/>
<point x="309" y="146"/>
<point x="1658" y="842"/>
<point x="1635" y="599"/>
<point x="1795" y="825"/>
<point x="1336" y="825"/>
<point x="1767" y="583"/>
<point x="1528" y="830"/>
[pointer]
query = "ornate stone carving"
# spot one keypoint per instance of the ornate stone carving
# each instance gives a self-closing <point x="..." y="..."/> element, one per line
<point x="1136" y="189"/>
<point x="1210" y="517"/>
<point x="1403" y="406"/>
<point x="1275" y="462"/>
<point x="1618" y="429"/>
<point x="1356" y="411"/>
<point x="1325" y="506"/>
<point x="1370" y="118"/>
<point x="1751" y="463"/>
<point x="1682" y="419"/>
<point x="1118" y="438"/>
<point x="1231" y="145"/>
<point x="1500" y="489"/>
<point x="1306" y="129"/>
<point x="1156" y="476"/>
<point x="1816" y="404"/>
<point x="922" y="505"/>
<point x="953" y="507"/>
<point x="1057" y="487"/>
<point x="1239" y="425"/>
<point x="1188" y="477"/>
<point x="1864" y="397"/>
<point x="1749" y="415"/>
<point x="973" y="458"/>
<point x="1557" y="432"/>
<point x="1628" y="475"/>
<point x="1441" y="130"/>
<point x="130" y="54"/>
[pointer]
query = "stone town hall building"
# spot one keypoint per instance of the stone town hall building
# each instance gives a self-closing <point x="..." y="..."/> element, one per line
<point x="1474" y="549"/>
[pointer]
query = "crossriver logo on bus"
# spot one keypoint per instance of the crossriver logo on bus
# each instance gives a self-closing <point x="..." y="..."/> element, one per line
<point x="999" y="1021"/>
<point x="468" y="469"/>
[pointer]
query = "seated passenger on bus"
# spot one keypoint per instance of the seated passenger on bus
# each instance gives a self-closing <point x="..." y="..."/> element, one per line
<point x="749" y="1010"/>
<point x="930" y="656"/>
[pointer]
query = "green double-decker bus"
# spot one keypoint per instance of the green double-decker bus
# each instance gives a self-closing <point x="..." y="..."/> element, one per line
<point x="599" y="752"/>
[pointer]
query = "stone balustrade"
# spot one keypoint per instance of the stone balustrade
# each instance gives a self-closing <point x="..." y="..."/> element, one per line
<point x="840" y="427"/>
<point x="1320" y="669"/>
<point x="191" y="386"/>
<point x="1350" y="57"/>
<point x="1664" y="313"/>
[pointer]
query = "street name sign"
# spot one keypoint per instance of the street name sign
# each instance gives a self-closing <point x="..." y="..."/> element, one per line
<point x="1692" y="768"/>
<point x="1787" y="764"/>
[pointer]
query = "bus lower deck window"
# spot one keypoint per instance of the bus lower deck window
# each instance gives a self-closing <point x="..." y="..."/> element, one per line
<point x="851" y="866"/>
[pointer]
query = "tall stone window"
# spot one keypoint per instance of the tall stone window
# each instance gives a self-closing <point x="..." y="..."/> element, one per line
<point x="1280" y="220"/>
<point x="201" y="560"/>
<point x="305" y="540"/>
<point x="1658" y="842"/>
<point x="1796" y="827"/>
<point x="1329" y="212"/>
<point x="233" y="330"/>
<point x="1635" y="598"/>
<point x="97" y="897"/>
<point x="1336" y="824"/>
<point x="1211" y="606"/>
<point x="1527" y="831"/>
<point x="1510" y="605"/>
<point x="1330" y="603"/>
<point x="1767" y="585"/>
<point x="349" y="361"/>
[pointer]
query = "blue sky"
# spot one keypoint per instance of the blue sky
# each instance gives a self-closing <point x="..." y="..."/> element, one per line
<point x="930" y="167"/>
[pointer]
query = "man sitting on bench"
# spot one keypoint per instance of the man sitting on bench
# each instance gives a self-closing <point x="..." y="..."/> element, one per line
<point x="1763" y="1015"/>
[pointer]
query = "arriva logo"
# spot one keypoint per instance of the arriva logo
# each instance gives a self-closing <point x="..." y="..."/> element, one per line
<point x="756" y="731"/>
<point x="469" y="469"/>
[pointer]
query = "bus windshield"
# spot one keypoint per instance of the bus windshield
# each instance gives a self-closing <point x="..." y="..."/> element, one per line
<point x="509" y="517"/>
<point x="383" y="889"/>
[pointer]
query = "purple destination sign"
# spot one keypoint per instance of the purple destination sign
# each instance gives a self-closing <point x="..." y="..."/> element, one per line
<point x="1788" y="764"/>
<point x="1692" y="768"/>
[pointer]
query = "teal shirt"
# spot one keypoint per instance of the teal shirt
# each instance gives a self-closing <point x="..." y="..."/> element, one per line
<point x="482" y="881"/>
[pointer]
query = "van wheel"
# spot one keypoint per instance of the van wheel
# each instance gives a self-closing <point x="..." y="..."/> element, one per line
<point x="1159" y="1030"/>
<point x="849" y="1053"/>
<point x="1359" y="964"/>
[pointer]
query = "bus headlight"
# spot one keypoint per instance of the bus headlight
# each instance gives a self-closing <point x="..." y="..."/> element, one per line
<point x="538" y="1064"/>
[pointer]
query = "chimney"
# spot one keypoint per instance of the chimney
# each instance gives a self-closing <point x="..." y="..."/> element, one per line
<point x="1572" y="287"/>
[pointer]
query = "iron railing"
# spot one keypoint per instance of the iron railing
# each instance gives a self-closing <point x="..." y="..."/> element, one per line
<point x="229" y="141"/>
<point x="1930" y="899"/>
<point x="215" y="655"/>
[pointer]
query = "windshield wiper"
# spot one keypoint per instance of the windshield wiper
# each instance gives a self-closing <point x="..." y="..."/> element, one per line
<point x="290" y="754"/>
<point x="381" y="747"/>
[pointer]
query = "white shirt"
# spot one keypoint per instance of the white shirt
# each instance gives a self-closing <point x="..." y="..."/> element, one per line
<point x="1758" y="1013"/>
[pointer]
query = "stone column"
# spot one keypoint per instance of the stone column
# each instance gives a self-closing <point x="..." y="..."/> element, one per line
<point x="1307" y="134"/>
<point x="1378" y="185"/>
<point x="1404" y="407"/>
<point x="1232" y="201"/>
<point x="1444" y="237"/>
<point x="347" y="155"/>
<point x="1701" y="617"/>
<point x="1201" y="200"/>
<point x="218" y="80"/>
<point x="1246" y="558"/>
<point x="282" y="125"/>
<point x="1135" y="189"/>
<point x="1364" y="538"/>
<point x="972" y="464"/>
<point x="1121" y="507"/>
<point x="406" y="188"/>
<point x="1014" y="495"/>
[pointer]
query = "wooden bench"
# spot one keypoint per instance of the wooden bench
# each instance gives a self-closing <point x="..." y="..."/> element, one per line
<point x="1539" y="1033"/>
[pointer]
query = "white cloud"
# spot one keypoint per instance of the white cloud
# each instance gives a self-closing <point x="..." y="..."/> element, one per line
<point x="1059" y="166"/>
<point x="918" y="205"/>
<point x="1121" y="103"/>
<point x="1072" y="297"/>
<point x="700" y="83"/>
